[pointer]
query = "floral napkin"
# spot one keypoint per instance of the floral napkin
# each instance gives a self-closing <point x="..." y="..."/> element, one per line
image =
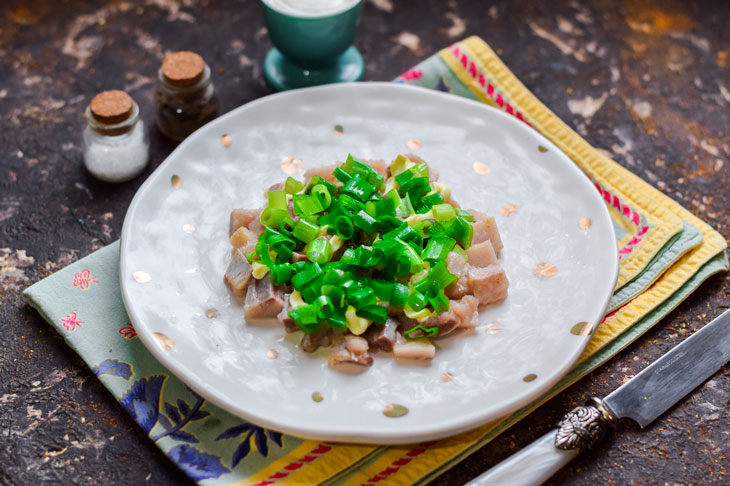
<point x="665" y="254"/>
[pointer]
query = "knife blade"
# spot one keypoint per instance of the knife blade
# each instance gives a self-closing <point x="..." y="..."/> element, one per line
<point x="642" y="399"/>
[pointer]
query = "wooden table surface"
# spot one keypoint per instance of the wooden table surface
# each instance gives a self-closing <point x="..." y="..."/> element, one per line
<point x="646" y="81"/>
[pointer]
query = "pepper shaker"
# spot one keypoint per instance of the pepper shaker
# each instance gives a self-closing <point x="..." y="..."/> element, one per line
<point x="116" y="146"/>
<point x="185" y="97"/>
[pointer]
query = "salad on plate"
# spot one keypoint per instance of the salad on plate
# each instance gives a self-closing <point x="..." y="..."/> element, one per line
<point x="365" y="257"/>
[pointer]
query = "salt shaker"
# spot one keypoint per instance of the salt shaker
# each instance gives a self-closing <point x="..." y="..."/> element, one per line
<point x="116" y="146"/>
<point x="185" y="98"/>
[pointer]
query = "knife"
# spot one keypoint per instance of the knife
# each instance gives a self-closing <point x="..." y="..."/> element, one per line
<point x="643" y="398"/>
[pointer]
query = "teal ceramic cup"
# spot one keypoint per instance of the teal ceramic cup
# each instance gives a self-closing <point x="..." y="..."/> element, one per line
<point x="311" y="48"/>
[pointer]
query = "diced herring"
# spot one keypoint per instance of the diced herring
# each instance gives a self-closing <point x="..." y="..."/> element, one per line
<point x="284" y="318"/>
<point x="238" y="274"/>
<point x="482" y="254"/>
<point x="350" y="354"/>
<point x="245" y="218"/>
<point x="486" y="230"/>
<point x="382" y="337"/>
<point x="243" y="238"/>
<point x="488" y="284"/>
<point x="456" y="264"/>
<point x="311" y="342"/>
<point x="462" y="313"/>
<point x="421" y="349"/>
<point x="263" y="300"/>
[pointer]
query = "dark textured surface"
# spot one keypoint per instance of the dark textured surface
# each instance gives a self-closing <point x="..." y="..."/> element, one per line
<point x="649" y="82"/>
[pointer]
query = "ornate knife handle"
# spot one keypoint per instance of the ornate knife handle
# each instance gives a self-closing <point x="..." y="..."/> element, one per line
<point x="584" y="427"/>
<point x="581" y="429"/>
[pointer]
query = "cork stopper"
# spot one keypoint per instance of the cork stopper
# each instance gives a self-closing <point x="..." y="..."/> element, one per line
<point x="111" y="107"/>
<point x="184" y="68"/>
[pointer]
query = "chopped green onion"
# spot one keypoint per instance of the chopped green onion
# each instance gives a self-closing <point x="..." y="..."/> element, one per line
<point x="348" y="256"/>
<point x="323" y="195"/>
<point x="306" y="276"/>
<point x="362" y="256"/>
<point x="419" y="332"/>
<point x="443" y="212"/>
<point x="408" y="206"/>
<point x="441" y="276"/>
<point x="428" y="202"/>
<point x="365" y="222"/>
<point x="305" y="317"/>
<point x="462" y="230"/>
<point x="416" y="264"/>
<point x="317" y="180"/>
<point x="292" y="186"/>
<point x="440" y="302"/>
<point x="344" y="227"/>
<point x="416" y="187"/>
<point x="325" y="307"/>
<point x="286" y="226"/>
<point x="262" y="251"/>
<point x="277" y="200"/>
<point x="278" y="240"/>
<point x="399" y="205"/>
<point x="283" y="254"/>
<point x="268" y="234"/>
<point x="312" y="291"/>
<point x="399" y="296"/>
<point x="319" y="251"/>
<point x="336" y="294"/>
<point x="359" y="188"/>
<point x="380" y="208"/>
<point x="306" y="205"/>
<point x="465" y="214"/>
<point x="400" y="164"/>
<point x="341" y="175"/>
<point x="438" y="248"/>
<point x="416" y="300"/>
<point x="424" y="285"/>
<point x="387" y="224"/>
<point x="420" y="170"/>
<point x="281" y="274"/>
<point x="305" y="231"/>
<point x="337" y="322"/>
<point x="350" y="205"/>
<point x="273" y="217"/>
<point x="355" y="167"/>
<point x="375" y="313"/>
<point x="403" y="178"/>
<point x="362" y="297"/>
<point x="382" y="288"/>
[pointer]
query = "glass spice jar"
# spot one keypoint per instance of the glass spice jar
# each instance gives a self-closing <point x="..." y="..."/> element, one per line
<point x="185" y="98"/>
<point x="116" y="145"/>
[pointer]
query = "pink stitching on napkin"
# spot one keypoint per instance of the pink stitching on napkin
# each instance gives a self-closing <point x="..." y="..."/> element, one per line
<point x="411" y="74"/>
<point x="128" y="331"/>
<point x="312" y="456"/>
<point x="84" y="279"/>
<point x="398" y="463"/>
<point x="71" y="322"/>
<point x="471" y="67"/>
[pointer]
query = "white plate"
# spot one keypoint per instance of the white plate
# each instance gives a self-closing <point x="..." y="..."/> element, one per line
<point x="225" y="360"/>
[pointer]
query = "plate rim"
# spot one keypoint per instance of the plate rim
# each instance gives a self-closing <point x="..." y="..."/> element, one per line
<point x="374" y="435"/>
